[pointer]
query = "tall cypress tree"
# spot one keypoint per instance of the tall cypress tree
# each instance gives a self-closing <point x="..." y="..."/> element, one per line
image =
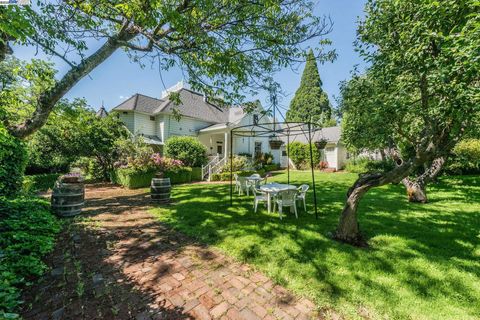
<point x="310" y="103"/>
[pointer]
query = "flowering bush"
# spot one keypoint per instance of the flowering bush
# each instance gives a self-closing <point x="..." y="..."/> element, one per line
<point x="322" y="165"/>
<point x="165" y="164"/>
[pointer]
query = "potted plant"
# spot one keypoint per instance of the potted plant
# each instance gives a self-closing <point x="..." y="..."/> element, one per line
<point x="71" y="178"/>
<point x="320" y="144"/>
<point x="275" y="142"/>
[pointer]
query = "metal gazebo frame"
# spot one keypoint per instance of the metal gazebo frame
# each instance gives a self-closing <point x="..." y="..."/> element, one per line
<point x="280" y="129"/>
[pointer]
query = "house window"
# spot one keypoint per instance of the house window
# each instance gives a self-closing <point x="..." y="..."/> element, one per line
<point x="258" y="147"/>
<point x="152" y="118"/>
<point x="284" y="153"/>
<point x="255" y="119"/>
<point x="125" y="112"/>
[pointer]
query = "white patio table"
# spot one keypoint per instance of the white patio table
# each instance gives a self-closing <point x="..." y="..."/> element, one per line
<point x="255" y="179"/>
<point x="271" y="188"/>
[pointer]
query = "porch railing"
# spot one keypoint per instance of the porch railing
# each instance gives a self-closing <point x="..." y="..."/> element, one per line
<point x="215" y="168"/>
<point x="206" y="169"/>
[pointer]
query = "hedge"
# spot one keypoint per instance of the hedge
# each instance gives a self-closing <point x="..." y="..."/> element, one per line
<point x="39" y="182"/>
<point x="197" y="174"/>
<point x="225" y="176"/>
<point x="180" y="175"/>
<point x="137" y="178"/>
<point x="134" y="178"/>
<point x="271" y="167"/>
<point x="28" y="231"/>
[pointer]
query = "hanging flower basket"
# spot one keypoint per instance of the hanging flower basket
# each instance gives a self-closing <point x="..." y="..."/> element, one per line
<point x="275" y="143"/>
<point x="320" y="144"/>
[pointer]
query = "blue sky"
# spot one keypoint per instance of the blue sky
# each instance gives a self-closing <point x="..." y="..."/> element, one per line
<point x="118" y="78"/>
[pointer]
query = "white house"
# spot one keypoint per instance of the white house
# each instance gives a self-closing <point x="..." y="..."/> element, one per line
<point x="157" y="119"/>
<point x="335" y="152"/>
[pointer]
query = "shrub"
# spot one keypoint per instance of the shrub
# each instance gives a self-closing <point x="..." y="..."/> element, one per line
<point x="187" y="149"/>
<point x="238" y="163"/>
<point x="466" y="157"/>
<point x="262" y="159"/>
<point x="134" y="178"/>
<point x="39" y="182"/>
<point x="197" y="174"/>
<point x="13" y="159"/>
<point x="28" y="234"/>
<point x="299" y="153"/>
<point x="179" y="175"/>
<point x="364" y="164"/>
<point x="225" y="176"/>
<point x="271" y="167"/>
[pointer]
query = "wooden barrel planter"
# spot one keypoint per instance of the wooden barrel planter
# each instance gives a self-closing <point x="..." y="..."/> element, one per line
<point x="68" y="198"/>
<point x="160" y="190"/>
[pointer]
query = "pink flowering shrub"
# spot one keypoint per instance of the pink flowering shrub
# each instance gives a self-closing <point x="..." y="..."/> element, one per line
<point x="164" y="163"/>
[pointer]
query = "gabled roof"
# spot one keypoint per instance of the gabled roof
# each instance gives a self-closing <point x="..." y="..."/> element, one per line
<point x="140" y="103"/>
<point x="102" y="113"/>
<point x="331" y="134"/>
<point x="193" y="105"/>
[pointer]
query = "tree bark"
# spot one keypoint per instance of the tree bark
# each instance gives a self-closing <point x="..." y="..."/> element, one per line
<point x="348" y="229"/>
<point x="49" y="98"/>
<point x="417" y="187"/>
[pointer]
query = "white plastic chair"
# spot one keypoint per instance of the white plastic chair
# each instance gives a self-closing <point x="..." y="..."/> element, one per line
<point x="302" y="192"/>
<point x="259" y="196"/>
<point x="237" y="183"/>
<point x="286" y="198"/>
<point x="243" y="185"/>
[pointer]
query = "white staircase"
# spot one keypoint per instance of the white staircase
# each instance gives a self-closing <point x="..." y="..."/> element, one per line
<point x="213" y="166"/>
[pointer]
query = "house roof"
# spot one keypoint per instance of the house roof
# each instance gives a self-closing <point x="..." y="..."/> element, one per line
<point x="193" y="105"/>
<point x="102" y="113"/>
<point x="331" y="134"/>
<point x="140" y="103"/>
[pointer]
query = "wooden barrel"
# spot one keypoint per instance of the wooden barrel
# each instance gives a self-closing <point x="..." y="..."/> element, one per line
<point x="68" y="198"/>
<point x="160" y="190"/>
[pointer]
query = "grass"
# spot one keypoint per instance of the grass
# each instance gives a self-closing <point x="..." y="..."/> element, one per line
<point x="423" y="261"/>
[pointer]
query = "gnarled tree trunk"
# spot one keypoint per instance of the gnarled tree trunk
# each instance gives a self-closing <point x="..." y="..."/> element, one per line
<point x="417" y="187"/>
<point x="348" y="229"/>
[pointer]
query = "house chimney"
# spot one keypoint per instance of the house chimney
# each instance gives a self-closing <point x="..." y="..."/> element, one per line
<point x="205" y="98"/>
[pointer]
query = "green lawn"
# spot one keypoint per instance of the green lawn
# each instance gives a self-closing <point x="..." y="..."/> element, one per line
<point x="423" y="261"/>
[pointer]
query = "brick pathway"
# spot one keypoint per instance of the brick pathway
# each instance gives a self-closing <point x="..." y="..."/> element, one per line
<point x="174" y="276"/>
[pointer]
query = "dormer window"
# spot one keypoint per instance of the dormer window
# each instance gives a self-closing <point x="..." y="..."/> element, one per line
<point x="255" y="119"/>
<point x="152" y="118"/>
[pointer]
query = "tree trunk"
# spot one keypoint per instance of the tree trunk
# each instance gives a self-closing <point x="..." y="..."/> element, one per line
<point x="417" y="187"/>
<point x="348" y="229"/>
<point x="49" y="98"/>
<point x="416" y="190"/>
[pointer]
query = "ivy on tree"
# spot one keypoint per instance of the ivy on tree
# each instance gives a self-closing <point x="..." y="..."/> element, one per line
<point x="310" y="103"/>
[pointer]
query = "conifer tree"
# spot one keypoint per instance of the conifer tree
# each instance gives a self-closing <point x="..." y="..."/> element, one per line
<point x="310" y="103"/>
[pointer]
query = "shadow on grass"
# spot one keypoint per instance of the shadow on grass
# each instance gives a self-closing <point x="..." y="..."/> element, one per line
<point x="421" y="255"/>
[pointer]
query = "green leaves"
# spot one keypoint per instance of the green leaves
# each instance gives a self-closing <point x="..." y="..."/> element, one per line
<point x="310" y="103"/>
<point x="28" y="233"/>
<point x="421" y="92"/>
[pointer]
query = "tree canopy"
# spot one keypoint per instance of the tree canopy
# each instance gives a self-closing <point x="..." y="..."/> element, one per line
<point x="223" y="48"/>
<point x="421" y="93"/>
<point x="310" y="103"/>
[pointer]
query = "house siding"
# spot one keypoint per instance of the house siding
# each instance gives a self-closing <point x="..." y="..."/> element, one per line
<point x="185" y="126"/>
<point x="128" y="119"/>
<point x="143" y="124"/>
